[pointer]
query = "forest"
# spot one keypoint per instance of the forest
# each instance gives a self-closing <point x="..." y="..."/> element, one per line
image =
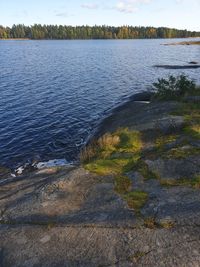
<point x="38" y="31"/>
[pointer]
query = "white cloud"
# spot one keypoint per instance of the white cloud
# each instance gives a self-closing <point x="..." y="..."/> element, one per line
<point x="63" y="14"/>
<point x="129" y="6"/>
<point x="89" y="6"/>
<point x="125" y="7"/>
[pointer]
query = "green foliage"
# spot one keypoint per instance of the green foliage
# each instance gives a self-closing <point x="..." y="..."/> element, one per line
<point x="38" y="31"/>
<point x="173" y="88"/>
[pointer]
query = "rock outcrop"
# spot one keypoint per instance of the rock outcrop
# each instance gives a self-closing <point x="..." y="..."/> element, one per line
<point x="67" y="216"/>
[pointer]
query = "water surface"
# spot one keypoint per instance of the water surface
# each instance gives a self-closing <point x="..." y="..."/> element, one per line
<point x="54" y="93"/>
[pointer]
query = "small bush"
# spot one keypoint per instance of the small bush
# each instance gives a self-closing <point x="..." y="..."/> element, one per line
<point x="173" y="88"/>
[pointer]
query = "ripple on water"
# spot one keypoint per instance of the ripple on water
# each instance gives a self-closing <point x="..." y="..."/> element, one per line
<point x="54" y="93"/>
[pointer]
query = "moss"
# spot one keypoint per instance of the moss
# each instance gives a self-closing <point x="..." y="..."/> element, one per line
<point x="191" y="113"/>
<point x="136" y="200"/>
<point x="122" y="184"/>
<point x="141" y="167"/>
<point x="130" y="141"/>
<point x="113" y="154"/>
<point x="107" y="166"/>
<point x="150" y="222"/>
<point x="181" y="153"/>
<point x="161" y="141"/>
<point x="193" y="130"/>
<point x="122" y="141"/>
<point x="192" y="182"/>
<point x="167" y="224"/>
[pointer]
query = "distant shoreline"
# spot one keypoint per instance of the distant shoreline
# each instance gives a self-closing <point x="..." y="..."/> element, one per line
<point x="14" y="39"/>
<point x="185" y="43"/>
<point x="178" y="43"/>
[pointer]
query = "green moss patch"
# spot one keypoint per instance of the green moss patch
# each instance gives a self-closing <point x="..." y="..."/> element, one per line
<point x="161" y="141"/>
<point x="136" y="200"/>
<point x="122" y="184"/>
<point x="192" y="182"/>
<point x="181" y="152"/>
<point x="141" y="167"/>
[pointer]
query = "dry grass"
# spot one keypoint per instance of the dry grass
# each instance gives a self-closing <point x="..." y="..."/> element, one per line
<point x="122" y="141"/>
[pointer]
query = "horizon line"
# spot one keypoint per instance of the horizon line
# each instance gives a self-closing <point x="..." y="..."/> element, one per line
<point x="99" y="25"/>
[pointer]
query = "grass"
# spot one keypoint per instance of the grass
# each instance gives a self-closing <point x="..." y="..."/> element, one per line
<point x="120" y="152"/>
<point x="122" y="184"/>
<point x="122" y="141"/>
<point x="130" y="141"/>
<point x="107" y="166"/>
<point x="136" y="200"/>
<point x="151" y="223"/>
<point x="181" y="152"/>
<point x="113" y="153"/>
<point x="191" y="113"/>
<point x="193" y="130"/>
<point x="141" y="167"/>
<point x="116" y="154"/>
<point x="163" y="140"/>
<point x="192" y="182"/>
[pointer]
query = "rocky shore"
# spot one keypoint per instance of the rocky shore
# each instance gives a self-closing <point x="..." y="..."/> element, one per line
<point x="80" y="216"/>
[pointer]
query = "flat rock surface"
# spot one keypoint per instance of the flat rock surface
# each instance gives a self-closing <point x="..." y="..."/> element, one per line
<point x="70" y="217"/>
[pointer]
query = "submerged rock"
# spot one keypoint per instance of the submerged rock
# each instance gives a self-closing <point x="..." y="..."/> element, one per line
<point x="175" y="67"/>
<point x="52" y="163"/>
<point x="193" y="62"/>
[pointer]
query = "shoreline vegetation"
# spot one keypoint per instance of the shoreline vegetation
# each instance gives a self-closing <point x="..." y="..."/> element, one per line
<point x="118" y="147"/>
<point x="138" y="179"/>
<point x="61" y="32"/>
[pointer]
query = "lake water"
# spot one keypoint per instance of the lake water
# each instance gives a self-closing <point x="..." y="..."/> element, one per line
<point x="54" y="93"/>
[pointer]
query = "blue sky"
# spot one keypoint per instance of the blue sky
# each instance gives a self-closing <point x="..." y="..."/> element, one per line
<point x="182" y="14"/>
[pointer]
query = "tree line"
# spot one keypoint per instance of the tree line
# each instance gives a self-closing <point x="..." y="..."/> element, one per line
<point x="38" y="31"/>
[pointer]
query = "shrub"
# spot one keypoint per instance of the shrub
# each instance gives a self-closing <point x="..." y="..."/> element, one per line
<point x="173" y="88"/>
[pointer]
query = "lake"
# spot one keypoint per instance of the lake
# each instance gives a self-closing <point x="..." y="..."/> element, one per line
<point x="54" y="93"/>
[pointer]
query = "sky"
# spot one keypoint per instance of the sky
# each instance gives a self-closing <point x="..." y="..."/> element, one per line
<point x="180" y="14"/>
